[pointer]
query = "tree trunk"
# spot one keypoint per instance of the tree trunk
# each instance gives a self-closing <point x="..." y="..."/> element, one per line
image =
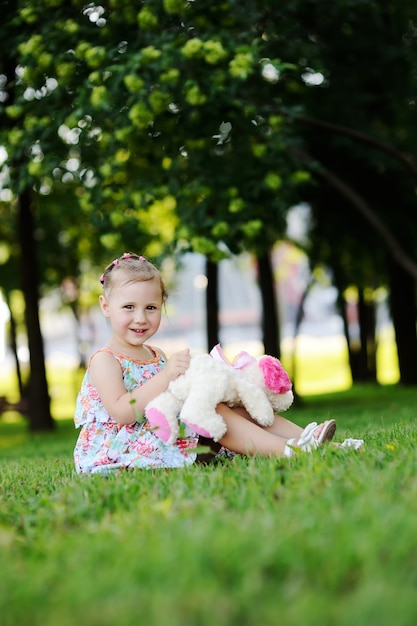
<point x="366" y="313"/>
<point x="39" y="402"/>
<point x="212" y="304"/>
<point x="13" y="345"/>
<point x="342" y="307"/>
<point x="362" y="349"/>
<point x="404" y="315"/>
<point x="270" y="320"/>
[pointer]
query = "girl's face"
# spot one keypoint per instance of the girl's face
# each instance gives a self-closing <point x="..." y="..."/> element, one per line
<point x="134" y="310"/>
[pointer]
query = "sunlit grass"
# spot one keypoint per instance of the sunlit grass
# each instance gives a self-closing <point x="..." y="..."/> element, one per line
<point x="63" y="385"/>
<point x="387" y="358"/>
<point x="318" y="365"/>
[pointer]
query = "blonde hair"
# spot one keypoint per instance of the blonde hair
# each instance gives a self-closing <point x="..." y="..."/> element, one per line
<point x="136" y="268"/>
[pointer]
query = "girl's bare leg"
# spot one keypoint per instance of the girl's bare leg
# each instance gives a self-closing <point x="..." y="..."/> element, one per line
<point x="281" y="427"/>
<point x="284" y="428"/>
<point x="245" y="437"/>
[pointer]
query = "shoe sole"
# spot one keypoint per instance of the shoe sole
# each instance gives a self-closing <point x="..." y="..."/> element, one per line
<point x="327" y="432"/>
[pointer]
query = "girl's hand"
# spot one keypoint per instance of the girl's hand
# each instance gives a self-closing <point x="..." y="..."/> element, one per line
<point x="178" y="364"/>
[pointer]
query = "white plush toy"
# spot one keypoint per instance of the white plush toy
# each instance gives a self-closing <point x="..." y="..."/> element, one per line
<point x="260" y="385"/>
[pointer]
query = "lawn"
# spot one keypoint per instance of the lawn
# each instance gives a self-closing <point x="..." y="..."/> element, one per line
<point x="327" y="538"/>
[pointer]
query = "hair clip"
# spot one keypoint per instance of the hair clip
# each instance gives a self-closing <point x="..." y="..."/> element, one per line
<point x="125" y="255"/>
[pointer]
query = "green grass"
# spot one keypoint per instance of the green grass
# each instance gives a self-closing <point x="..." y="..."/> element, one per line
<point x="322" y="539"/>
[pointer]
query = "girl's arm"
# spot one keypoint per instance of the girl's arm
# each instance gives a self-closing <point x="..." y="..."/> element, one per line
<point x="124" y="406"/>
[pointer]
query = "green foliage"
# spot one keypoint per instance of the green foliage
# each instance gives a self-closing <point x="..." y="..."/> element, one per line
<point x="323" y="538"/>
<point x="162" y="81"/>
<point x="160" y="86"/>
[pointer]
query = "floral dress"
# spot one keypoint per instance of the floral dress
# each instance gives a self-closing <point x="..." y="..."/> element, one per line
<point x="104" y="445"/>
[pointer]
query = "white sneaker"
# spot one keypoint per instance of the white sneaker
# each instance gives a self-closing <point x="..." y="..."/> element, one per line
<point x="308" y="441"/>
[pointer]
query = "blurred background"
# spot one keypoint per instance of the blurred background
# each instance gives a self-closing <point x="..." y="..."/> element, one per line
<point x="261" y="155"/>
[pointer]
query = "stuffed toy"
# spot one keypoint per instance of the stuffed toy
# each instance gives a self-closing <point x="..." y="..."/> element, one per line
<point x="260" y="385"/>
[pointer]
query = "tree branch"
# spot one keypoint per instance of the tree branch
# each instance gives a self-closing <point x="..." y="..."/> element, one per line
<point x="363" y="138"/>
<point x="371" y="217"/>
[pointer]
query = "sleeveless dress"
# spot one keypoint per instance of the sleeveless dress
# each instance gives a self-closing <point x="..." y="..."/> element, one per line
<point x="104" y="445"/>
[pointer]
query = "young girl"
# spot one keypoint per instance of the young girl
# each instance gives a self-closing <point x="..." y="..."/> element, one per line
<point x="123" y="376"/>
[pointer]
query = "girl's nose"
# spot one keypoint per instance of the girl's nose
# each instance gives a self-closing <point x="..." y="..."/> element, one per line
<point x="140" y="316"/>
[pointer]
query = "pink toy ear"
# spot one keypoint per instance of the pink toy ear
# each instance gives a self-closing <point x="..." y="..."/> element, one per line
<point x="275" y="377"/>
